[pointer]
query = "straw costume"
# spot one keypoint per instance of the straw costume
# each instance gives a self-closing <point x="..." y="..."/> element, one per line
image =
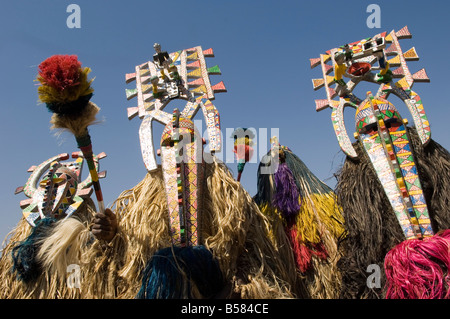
<point x="299" y="204"/>
<point x="233" y="229"/>
<point x="54" y="232"/>
<point x="51" y="235"/>
<point x="188" y="229"/>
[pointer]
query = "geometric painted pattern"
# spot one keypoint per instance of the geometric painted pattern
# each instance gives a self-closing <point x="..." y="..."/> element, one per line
<point x="388" y="148"/>
<point x="337" y="118"/>
<point x="379" y="127"/>
<point x="191" y="83"/>
<point x="415" y="107"/>
<point x="55" y="188"/>
<point x="371" y="50"/>
<point x="412" y="183"/>
<point x="374" y="148"/>
<point x="183" y="171"/>
<point x="364" y="116"/>
<point x="170" y="173"/>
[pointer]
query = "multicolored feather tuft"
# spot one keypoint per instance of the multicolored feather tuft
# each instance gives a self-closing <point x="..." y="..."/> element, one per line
<point x="64" y="82"/>
<point x="243" y="148"/>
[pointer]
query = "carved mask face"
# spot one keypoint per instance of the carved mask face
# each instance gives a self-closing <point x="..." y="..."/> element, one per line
<point x="366" y="120"/>
<point x="57" y="190"/>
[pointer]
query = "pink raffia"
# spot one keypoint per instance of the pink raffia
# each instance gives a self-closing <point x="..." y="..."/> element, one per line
<point x="419" y="269"/>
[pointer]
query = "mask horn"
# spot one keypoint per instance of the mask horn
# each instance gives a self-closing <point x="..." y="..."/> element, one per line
<point x="337" y="117"/>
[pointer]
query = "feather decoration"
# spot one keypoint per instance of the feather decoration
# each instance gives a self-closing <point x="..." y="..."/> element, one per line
<point x="66" y="91"/>
<point x="63" y="81"/>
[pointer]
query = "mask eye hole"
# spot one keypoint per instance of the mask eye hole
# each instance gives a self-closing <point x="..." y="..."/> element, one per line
<point x="369" y="127"/>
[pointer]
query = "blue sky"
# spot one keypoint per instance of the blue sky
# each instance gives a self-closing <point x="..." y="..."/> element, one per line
<point x="262" y="48"/>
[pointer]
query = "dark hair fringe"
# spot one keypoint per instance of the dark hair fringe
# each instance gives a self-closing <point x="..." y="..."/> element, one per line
<point x="369" y="219"/>
<point x="265" y="182"/>
<point x="70" y="108"/>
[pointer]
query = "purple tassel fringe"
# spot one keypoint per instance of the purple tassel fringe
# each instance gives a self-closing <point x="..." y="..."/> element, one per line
<point x="286" y="198"/>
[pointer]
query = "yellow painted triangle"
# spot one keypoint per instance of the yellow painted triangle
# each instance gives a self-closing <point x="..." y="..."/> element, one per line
<point x="195" y="73"/>
<point x="146" y="87"/>
<point x="318" y="82"/>
<point x="72" y="190"/>
<point x="200" y="89"/>
<point x="325" y="57"/>
<point x="330" y="79"/>
<point x="402" y="83"/>
<point x="193" y="56"/>
<point x="411" y="54"/>
<point x="388" y="38"/>
<point x="394" y="60"/>
<point x="65" y="201"/>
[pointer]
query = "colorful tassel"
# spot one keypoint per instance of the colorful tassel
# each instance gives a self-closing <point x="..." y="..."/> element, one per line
<point x="243" y="155"/>
<point x="24" y="253"/>
<point x="286" y="199"/>
<point x="242" y="148"/>
<point x="175" y="272"/>
<point x="66" y="91"/>
<point x="65" y="87"/>
<point x="307" y="206"/>
<point x="419" y="269"/>
<point x="319" y="205"/>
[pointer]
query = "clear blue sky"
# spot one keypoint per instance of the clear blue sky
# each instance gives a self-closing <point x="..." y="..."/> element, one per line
<point x="262" y="48"/>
